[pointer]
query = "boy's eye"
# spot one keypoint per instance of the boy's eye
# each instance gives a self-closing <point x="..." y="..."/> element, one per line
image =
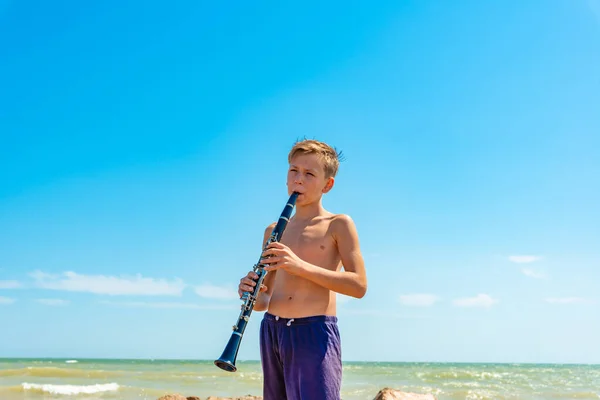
<point x="311" y="174"/>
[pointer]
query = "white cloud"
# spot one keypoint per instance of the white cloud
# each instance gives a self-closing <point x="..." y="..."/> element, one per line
<point x="217" y="292"/>
<point x="418" y="299"/>
<point x="567" y="300"/>
<point x="524" y="259"/>
<point x="165" y="305"/>
<point x="6" y="300"/>
<point x="9" y="285"/>
<point x="481" y="300"/>
<point x="110" y="285"/>
<point x="533" y="274"/>
<point x="53" y="302"/>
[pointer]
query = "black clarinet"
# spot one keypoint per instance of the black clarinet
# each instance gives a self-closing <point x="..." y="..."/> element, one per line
<point x="227" y="359"/>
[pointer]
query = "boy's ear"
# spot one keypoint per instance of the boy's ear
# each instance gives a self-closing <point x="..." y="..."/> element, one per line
<point x="328" y="185"/>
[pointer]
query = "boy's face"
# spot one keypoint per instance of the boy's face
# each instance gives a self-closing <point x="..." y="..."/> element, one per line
<point x="307" y="177"/>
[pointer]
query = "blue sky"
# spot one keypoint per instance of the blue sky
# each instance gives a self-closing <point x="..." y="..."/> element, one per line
<point x="144" y="150"/>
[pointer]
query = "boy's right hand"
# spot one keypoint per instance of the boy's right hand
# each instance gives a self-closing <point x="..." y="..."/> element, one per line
<point x="247" y="283"/>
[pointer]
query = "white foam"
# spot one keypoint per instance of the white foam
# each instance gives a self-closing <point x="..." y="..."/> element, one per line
<point x="71" y="389"/>
<point x="71" y="361"/>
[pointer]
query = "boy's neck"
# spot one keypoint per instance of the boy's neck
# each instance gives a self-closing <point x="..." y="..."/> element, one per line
<point x="309" y="211"/>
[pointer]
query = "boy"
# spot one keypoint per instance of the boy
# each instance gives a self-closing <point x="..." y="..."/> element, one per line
<point x="299" y="338"/>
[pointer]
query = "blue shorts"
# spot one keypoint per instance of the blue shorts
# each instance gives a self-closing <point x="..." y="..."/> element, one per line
<point x="301" y="358"/>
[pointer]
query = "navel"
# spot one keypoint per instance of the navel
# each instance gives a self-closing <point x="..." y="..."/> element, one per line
<point x="322" y="247"/>
<point x="289" y="298"/>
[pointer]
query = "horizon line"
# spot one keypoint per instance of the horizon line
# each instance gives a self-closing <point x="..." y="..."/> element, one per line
<point x="258" y="361"/>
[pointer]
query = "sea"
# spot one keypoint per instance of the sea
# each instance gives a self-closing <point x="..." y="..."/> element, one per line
<point x="33" y="379"/>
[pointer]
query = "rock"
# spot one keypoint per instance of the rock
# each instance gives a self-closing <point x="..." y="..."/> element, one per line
<point x="384" y="394"/>
<point x="180" y="397"/>
<point x="392" y="394"/>
<point x="247" y="397"/>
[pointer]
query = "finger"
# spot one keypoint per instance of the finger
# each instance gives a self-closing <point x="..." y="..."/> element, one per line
<point x="252" y="275"/>
<point x="268" y="252"/>
<point x="272" y="253"/>
<point x="275" y="245"/>
<point x="270" y="260"/>
<point x="272" y="267"/>
<point x="246" y="288"/>
<point x="263" y="288"/>
<point x="248" y="281"/>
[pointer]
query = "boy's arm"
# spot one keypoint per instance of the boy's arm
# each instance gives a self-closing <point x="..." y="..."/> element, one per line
<point x="263" y="298"/>
<point x="352" y="281"/>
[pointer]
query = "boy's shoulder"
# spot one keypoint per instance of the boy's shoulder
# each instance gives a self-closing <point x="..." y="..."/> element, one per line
<point x="341" y="219"/>
<point x="342" y="226"/>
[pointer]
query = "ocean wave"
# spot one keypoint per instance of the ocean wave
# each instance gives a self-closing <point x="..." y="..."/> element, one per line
<point x="59" y="372"/>
<point x="466" y="374"/>
<point x="71" y="390"/>
<point x="352" y="367"/>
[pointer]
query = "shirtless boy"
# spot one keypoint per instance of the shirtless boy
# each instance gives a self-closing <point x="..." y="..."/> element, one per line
<point x="299" y="338"/>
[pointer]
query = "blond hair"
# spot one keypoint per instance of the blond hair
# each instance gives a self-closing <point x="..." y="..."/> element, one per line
<point x="330" y="157"/>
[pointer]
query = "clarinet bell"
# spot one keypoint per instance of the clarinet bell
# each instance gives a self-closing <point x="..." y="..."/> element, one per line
<point x="227" y="360"/>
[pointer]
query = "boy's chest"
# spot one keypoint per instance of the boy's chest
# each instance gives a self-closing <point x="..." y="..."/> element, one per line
<point x="312" y="242"/>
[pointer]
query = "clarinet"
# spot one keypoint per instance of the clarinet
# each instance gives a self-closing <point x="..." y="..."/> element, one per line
<point x="228" y="358"/>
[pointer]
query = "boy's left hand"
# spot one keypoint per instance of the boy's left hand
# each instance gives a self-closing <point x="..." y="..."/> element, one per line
<point x="282" y="257"/>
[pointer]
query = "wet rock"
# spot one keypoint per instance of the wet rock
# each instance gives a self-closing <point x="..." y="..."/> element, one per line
<point x="248" y="397"/>
<point x="383" y="394"/>
<point x="173" y="397"/>
<point x="392" y="394"/>
<point x="181" y="397"/>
